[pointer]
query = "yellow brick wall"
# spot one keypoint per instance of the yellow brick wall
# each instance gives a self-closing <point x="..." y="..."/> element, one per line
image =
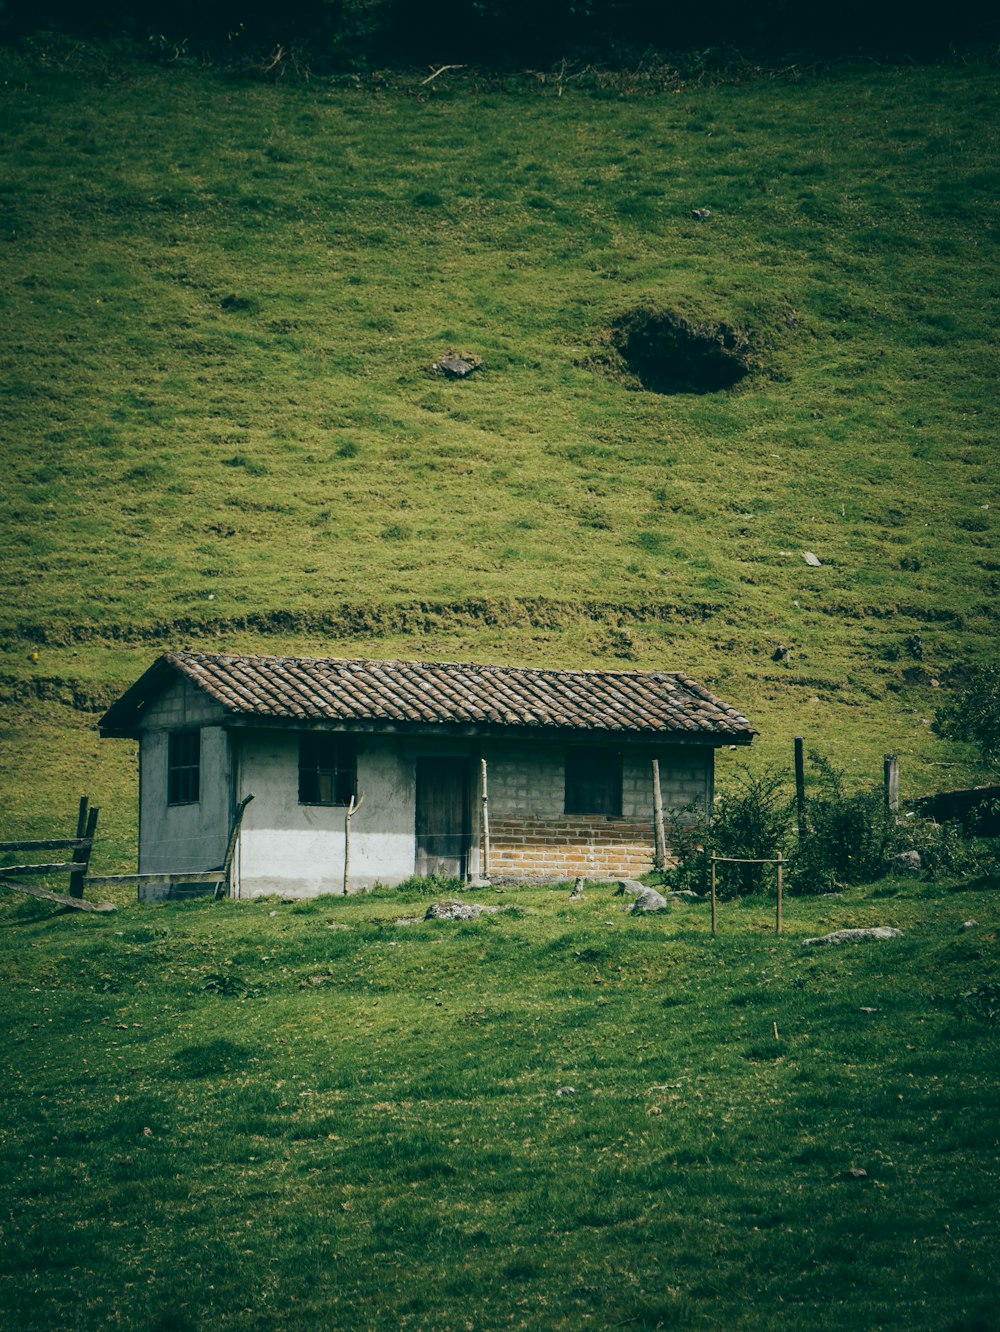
<point x="594" y="846"/>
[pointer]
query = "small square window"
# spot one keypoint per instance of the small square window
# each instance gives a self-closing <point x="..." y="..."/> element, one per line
<point x="184" y="768"/>
<point x="593" y="781"/>
<point x="327" y="769"/>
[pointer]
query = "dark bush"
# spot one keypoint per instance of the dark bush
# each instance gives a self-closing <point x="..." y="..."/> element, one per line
<point x="850" y="838"/>
<point x="974" y="714"/>
<point x="752" y="821"/>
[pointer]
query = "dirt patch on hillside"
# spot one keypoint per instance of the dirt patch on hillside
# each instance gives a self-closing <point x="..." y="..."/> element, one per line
<point x="668" y="353"/>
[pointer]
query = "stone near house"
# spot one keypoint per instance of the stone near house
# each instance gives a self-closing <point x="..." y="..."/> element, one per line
<point x="577" y="893"/>
<point x="856" y="936"/>
<point x="630" y="888"/>
<point x="452" y="910"/>
<point x="650" y="900"/>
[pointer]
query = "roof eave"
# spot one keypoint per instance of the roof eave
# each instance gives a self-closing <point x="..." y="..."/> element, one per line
<point x="121" y="721"/>
<point x="488" y="730"/>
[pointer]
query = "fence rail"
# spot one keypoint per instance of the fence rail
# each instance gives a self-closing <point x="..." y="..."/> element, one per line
<point x="746" y="860"/>
<point x="81" y="846"/>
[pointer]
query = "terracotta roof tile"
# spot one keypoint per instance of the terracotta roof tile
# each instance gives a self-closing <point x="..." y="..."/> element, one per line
<point x="653" y="703"/>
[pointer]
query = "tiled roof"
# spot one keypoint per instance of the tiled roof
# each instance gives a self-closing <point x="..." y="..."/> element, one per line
<point x="397" y="693"/>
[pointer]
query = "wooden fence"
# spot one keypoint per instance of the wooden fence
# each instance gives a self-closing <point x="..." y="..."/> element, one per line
<point x="81" y="847"/>
<point x="150" y="887"/>
<point x="743" y="860"/>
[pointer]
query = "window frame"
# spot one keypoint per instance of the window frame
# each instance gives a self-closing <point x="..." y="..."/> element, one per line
<point x="605" y="770"/>
<point x="183" y="768"/>
<point x="341" y="774"/>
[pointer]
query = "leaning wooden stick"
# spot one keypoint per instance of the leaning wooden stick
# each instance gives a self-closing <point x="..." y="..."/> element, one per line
<point x="77" y="903"/>
<point x="352" y="808"/>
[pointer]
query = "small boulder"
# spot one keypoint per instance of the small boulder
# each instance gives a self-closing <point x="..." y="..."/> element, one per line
<point x="856" y="936"/>
<point x="452" y="910"/>
<point x="629" y="888"/>
<point x="650" y="900"/>
<point x="457" y="365"/>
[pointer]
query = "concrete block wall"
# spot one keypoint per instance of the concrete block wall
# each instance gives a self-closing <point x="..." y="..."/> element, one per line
<point x="181" y="705"/>
<point x="174" y="838"/>
<point x="531" y="834"/>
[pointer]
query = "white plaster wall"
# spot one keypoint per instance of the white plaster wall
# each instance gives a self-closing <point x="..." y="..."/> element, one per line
<point x="298" y="850"/>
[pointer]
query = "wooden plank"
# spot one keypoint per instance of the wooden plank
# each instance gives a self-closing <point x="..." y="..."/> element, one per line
<point x="46" y="844"/>
<point x="69" y="867"/>
<point x="743" y="860"/>
<point x="126" y="880"/>
<point x="484" y="868"/>
<point x="60" y="899"/>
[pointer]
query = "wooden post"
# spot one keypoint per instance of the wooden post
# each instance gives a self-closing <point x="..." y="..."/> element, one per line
<point x="659" y="836"/>
<point x="777" y="917"/>
<point x="890" y="778"/>
<point x="82" y="856"/>
<point x="800" y="788"/>
<point x="352" y="809"/>
<point x="484" y="868"/>
<point x="81" y="818"/>
<point x="712" y="861"/>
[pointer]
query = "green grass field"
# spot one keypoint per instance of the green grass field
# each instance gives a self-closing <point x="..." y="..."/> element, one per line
<point x="296" y="1116"/>
<point x="222" y="301"/>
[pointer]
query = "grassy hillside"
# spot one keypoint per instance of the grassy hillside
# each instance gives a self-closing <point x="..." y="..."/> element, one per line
<point x="223" y="301"/>
<point x="560" y="1116"/>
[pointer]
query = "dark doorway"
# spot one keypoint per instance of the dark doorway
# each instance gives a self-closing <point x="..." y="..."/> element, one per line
<point x="444" y="833"/>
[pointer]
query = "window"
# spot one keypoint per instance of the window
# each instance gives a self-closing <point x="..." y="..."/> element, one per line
<point x="593" y="781"/>
<point x="326" y="769"/>
<point x="183" y="767"/>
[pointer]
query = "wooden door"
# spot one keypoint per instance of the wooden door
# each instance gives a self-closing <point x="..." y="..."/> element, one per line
<point x="443" y="828"/>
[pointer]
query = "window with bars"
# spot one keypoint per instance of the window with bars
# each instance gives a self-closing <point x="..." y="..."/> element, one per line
<point x="327" y="769"/>
<point x="184" y="767"/>
<point x="593" y="781"/>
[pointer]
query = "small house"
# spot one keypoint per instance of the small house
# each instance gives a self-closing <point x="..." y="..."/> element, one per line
<point x="410" y="768"/>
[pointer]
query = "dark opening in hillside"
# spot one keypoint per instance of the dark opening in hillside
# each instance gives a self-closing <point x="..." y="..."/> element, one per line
<point x="669" y="354"/>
